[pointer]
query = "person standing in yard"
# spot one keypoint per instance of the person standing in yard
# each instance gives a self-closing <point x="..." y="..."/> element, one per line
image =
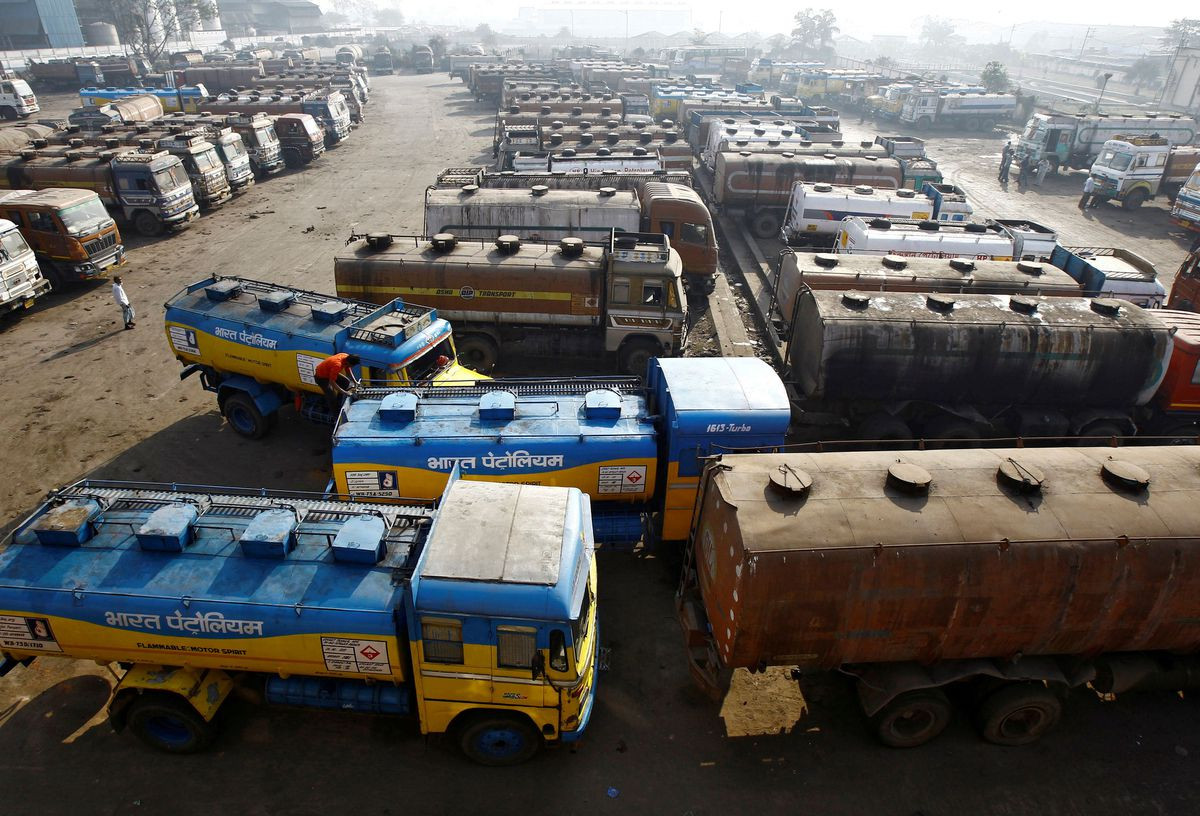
<point x="1006" y="160"/>
<point x="1089" y="186"/>
<point x="1023" y="171"/>
<point x="122" y="300"/>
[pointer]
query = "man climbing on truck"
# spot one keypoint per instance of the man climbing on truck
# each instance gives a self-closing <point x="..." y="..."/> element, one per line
<point x="335" y="375"/>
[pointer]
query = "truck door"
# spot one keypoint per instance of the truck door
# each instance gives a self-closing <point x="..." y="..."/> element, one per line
<point x="513" y="677"/>
<point x="44" y="233"/>
<point x="1185" y="291"/>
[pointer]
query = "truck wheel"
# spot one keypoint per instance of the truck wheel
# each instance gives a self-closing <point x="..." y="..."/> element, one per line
<point x="244" y="417"/>
<point x="971" y="125"/>
<point x="292" y="158"/>
<point x="765" y="224"/>
<point x="924" y="123"/>
<point x="951" y="432"/>
<point x="146" y="223"/>
<point x="499" y="740"/>
<point x="8" y="112"/>
<point x="1099" y="433"/>
<point x="1135" y="199"/>
<point x="56" y="279"/>
<point x="913" y="718"/>
<point x="169" y="723"/>
<point x="1018" y="714"/>
<point x="635" y="356"/>
<point x="477" y="352"/>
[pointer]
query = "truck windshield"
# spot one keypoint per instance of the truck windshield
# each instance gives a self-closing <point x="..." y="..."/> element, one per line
<point x="1115" y="160"/>
<point x="233" y="150"/>
<point x="206" y="160"/>
<point x="12" y="245"/>
<point x="310" y="127"/>
<point x="579" y="626"/>
<point x="425" y="366"/>
<point x="1032" y="131"/>
<point x="1193" y="183"/>
<point x="170" y="178"/>
<point x="266" y="136"/>
<point x="84" y="218"/>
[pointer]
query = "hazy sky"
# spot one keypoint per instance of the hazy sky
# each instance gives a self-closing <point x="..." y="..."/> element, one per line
<point x="861" y="18"/>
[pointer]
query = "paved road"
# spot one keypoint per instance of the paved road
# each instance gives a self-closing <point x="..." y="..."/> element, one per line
<point x="99" y="400"/>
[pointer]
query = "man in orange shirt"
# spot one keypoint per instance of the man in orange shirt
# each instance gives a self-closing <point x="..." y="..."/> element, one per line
<point x="335" y="375"/>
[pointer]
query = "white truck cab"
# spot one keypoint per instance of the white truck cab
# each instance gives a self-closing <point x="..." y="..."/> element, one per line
<point x="21" y="281"/>
<point x="1135" y="169"/>
<point x="17" y="99"/>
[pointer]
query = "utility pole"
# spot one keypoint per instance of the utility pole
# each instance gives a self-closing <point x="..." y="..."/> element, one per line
<point x="1086" y="36"/>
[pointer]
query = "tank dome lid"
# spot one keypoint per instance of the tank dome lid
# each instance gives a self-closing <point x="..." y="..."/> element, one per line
<point x="909" y="478"/>
<point x="1023" y="476"/>
<point x="1023" y="305"/>
<point x="826" y="259"/>
<point x="1031" y="267"/>
<point x="1110" y="307"/>
<point x="856" y="300"/>
<point x="790" y="480"/>
<point x="1125" y="476"/>
<point x="962" y="264"/>
<point x="894" y="261"/>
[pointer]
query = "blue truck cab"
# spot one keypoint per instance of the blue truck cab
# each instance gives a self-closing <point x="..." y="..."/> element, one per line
<point x="634" y="447"/>
<point x="476" y="614"/>
<point x="256" y="345"/>
<point x="1113" y="273"/>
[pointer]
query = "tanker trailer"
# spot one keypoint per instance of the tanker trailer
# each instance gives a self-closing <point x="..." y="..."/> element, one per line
<point x="1011" y="575"/>
<point x="758" y="186"/>
<point x="875" y="366"/>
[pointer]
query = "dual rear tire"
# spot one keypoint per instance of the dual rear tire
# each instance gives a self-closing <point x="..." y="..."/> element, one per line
<point x="1014" y="714"/>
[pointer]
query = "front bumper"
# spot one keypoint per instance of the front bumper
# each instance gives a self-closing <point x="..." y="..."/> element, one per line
<point x="181" y="220"/>
<point x="23" y="297"/>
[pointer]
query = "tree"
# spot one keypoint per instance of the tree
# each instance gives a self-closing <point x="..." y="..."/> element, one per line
<point x="1142" y="71"/>
<point x="564" y="33"/>
<point x="437" y="44"/>
<point x="814" y="31"/>
<point x="485" y="34"/>
<point x="994" y="77"/>
<point x="936" y="33"/>
<point x="885" y="62"/>
<point x="1183" y="31"/>
<point x="391" y="17"/>
<point x="699" y="37"/>
<point x="775" y="44"/>
<point x="146" y="26"/>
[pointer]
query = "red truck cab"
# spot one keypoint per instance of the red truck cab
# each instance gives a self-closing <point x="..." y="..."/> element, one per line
<point x="1185" y="291"/>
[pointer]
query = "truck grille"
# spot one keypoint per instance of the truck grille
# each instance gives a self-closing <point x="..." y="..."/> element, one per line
<point x="100" y="244"/>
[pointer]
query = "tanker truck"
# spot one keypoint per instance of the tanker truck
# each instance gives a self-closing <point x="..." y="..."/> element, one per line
<point x="622" y="301"/>
<point x="149" y="190"/>
<point x="1000" y="579"/>
<point x="996" y="239"/>
<point x="758" y="187"/>
<point x="327" y="107"/>
<point x="422" y="59"/>
<point x="1068" y="367"/>
<point x="637" y="449"/>
<point x="666" y="202"/>
<point x="1075" y="142"/>
<point x="816" y="211"/>
<point x="197" y="592"/>
<point x="257" y="132"/>
<point x="257" y="345"/>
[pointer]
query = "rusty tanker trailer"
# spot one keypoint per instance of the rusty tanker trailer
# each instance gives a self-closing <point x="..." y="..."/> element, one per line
<point x="756" y="187"/>
<point x="1011" y="576"/>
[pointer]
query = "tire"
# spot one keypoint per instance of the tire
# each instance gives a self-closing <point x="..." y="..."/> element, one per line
<point x="148" y="224"/>
<point x="168" y="723"/>
<point x="971" y="125"/>
<point x="477" y="352"/>
<point x="765" y="224"/>
<point x="951" y="432"/>
<point x="924" y="123"/>
<point x="883" y="427"/>
<point x="1018" y="714"/>
<point x="244" y="417"/>
<point x="499" y="740"/>
<point x="1099" y="432"/>
<point x="635" y="356"/>
<point x="8" y="112"/>
<point x="913" y="718"/>
<point x="1135" y="199"/>
<point x="57" y="284"/>
<point x="292" y="159"/>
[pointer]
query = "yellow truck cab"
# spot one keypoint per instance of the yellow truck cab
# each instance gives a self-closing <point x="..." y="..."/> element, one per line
<point x="69" y="230"/>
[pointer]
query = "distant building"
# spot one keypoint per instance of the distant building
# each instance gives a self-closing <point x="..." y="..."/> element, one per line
<point x="1182" y="90"/>
<point x="38" y="24"/>
<point x="263" y="17"/>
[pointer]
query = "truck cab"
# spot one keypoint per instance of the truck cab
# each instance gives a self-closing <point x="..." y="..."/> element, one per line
<point x="1048" y="138"/>
<point x="203" y="165"/>
<point x="1130" y="170"/>
<point x="260" y="140"/>
<point x="234" y="157"/>
<point x="1185" y="212"/>
<point x="301" y="138"/>
<point x="1185" y="291"/>
<point x="679" y="213"/>
<point x="154" y="190"/>
<point x="647" y="309"/>
<point x="70" y="231"/>
<point x="21" y="282"/>
<point x="331" y="110"/>
<point x="17" y="99"/>
<point x="381" y="62"/>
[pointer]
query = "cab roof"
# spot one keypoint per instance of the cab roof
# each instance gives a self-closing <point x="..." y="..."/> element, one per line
<point x="56" y="197"/>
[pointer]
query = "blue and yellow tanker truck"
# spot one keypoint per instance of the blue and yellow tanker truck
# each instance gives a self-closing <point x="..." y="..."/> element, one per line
<point x="636" y="449"/>
<point x="256" y="345"/>
<point x="475" y="614"/>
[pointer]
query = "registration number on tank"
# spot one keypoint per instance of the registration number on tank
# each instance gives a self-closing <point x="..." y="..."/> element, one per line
<point x="729" y="427"/>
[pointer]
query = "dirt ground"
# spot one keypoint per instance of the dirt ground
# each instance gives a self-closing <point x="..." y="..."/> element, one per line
<point x="87" y="398"/>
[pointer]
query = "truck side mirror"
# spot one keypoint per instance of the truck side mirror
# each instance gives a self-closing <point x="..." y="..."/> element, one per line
<point x="537" y="665"/>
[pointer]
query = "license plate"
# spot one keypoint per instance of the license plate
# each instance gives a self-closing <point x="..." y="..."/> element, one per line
<point x="28" y="304"/>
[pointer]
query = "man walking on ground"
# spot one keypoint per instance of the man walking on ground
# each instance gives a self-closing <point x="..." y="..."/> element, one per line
<point x="1006" y="159"/>
<point x="1089" y="187"/>
<point x="122" y="300"/>
<point x="1023" y="171"/>
<point x="335" y="375"/>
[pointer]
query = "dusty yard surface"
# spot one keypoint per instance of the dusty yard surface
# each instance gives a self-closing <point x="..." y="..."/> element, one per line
<point x="84" y="397"/>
